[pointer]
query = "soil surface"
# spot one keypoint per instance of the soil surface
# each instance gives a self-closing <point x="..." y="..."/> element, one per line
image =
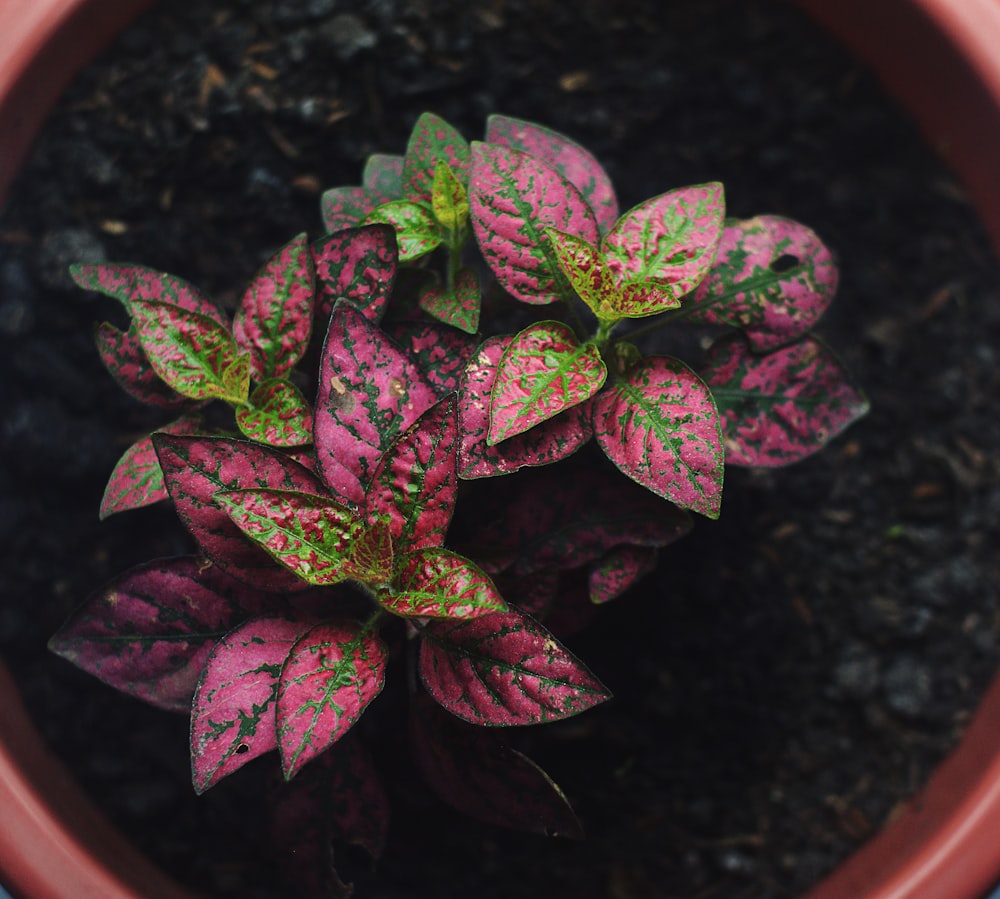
<point x="792" y="672"/>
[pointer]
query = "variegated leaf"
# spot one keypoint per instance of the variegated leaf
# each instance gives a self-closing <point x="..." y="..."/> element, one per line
<point x="415" y="481"/>
<point x="437" y="583"/>
<point x="277" y="415"/>
<point x="331" y="675"/>
<point x="358" y="266"/>
<point x="543" y="372"/>
<point x="450" y="202"/>
<point x="439" y="351"/>
<point x="670" y="238"/>
<point x="195" y="469"/>
<point x="660" y="426"/>
<point x="458" y="307"/>
<point x="123" y="356"/>
<point x="136" y="480"/>
<point x="383" y="175"/>
<point x="432" y="141"/>
<point x="475" y="771"/>
<point x="772" y="277"/>
<point x="618" y="570"/>
<point x="417" y="231"/>
<point x="369" y="392"/>
<point x="513" y="198"/>
<point x="782" y="406"/>
<point x="585" y="268"/>
<point x="545" y="443"/>
<point x="192" y="353"/>
<point x="310" y="535"/>
<point x="576" y="164"/>
<point x="233" y="712"/>
<point x="274" y="320"/>
<point x="347" y="207"/>
<point x="149" y="631"/>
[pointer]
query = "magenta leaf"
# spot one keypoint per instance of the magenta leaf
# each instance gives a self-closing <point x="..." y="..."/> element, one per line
<point x="331" y="675"/>
<point x="440" y="352"/>
<point x="458" y="307"/>
<point x="513" y="198"/>
<point x="476" y="772"/>
<point x="128" y="283"/>
<point x="149" y="631"/>
<point x="123" y="356"/>
<point x="782" y="406"/>
<point x="432" y="141"/>
<point x="369" y="392"/>
<point x="310" y="535"/>
<point x="415" y="481"/>
<point x="543" y="371"/>
<point x="278" y="415"/>
<point x="383" y="175"/>
<point x="619" y="570"/>
<point x="274" y="320"/>
<point x="437" y="583"/>
<point x="347" y="207"/>
<point x="670" y="238"/>
<point x="547" y="442"/>
<point x="772" y="277"/>
<point x="576" y="164"/>
<point x="195" y="469"/>
<point x="503" y="669"/>
<point x="660" y="427"/>
<point x="192" y="353"/>
<point x="417" y="231"/>
<point x="136" y="480"/>
<point x="232" y="715"/>
<point x="357" y="265"/>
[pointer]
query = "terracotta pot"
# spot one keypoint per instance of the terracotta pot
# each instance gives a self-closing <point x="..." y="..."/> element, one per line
<point x="941" y="58"/>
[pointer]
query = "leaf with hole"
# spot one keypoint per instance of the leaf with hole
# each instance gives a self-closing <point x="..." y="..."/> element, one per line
<point x="277" y="415"/>
<point x="358" y="266"/>
<point x="543" y="371"/>
<point x="671" y="238"/>
<point x="547" y="442"/>
<point x="772" y="277"/>
<point x="660" y="426"/>
<point x="440" y="352"/>
<point x="148" y="632"/>
<point x="331" y="675"/>
<point x="195" y="469"/>
<point x="576" y="164"/>
<point x="274" y="320"/>
<point x="369" y="392"/>
<point x="437" y="583"/>
<point x="504" y="669"/>
<point x="233" y="712"/>
<point x="513" y="198"/>
<point x="782" y="406"/>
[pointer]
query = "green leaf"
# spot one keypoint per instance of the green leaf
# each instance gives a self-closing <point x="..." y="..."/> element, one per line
<point x="450" y="201"/>
<point x="458" y="307"/>
<point x="585" y="267"/>
<point x="437" y="583"/>
<point x="417" y="230"/>
<point x="542" y="372"/>
<point x="278" y="415"/>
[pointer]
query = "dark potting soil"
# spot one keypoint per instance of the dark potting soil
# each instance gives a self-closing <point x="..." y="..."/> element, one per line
<point x="790" y="675"/>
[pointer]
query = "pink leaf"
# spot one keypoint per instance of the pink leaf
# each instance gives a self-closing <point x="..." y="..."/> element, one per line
<point x="513" y="198"/>
<point x="347" y="207"/>
<point x="330" y="677"/>
<point x="415" y="481"/>
<point x="504" y="669"/>
<point x="619" y="570"/>
<point x="476" y="772"/>
<point x="437" y="583"/>
<point x="149" y="631"/>
<point x="458" y="307"/>
<point x="547" y="442"/>
<point x="232" y="716"/>
<point x="576" y="164"/>
<point x="772" y="277"/>
<point x="543" y="371"/>
<point x="195" y="469"/>
<point x="136" y="480"/>
<point x="785" y="405"/>
<point x="357" y="265"/>
<point x="432" y="140"/>
<point x="123" y="356"/>
<point x="670" y="238"/>
<point x="369" y="392"/>
<point x="660" y="426"/>
<point x="274" y="320"/>
<point x="440" y="352"/>
<point x="278" y="415"/>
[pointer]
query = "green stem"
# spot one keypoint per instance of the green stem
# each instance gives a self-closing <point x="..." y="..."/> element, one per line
<point x="604" y="331"/>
